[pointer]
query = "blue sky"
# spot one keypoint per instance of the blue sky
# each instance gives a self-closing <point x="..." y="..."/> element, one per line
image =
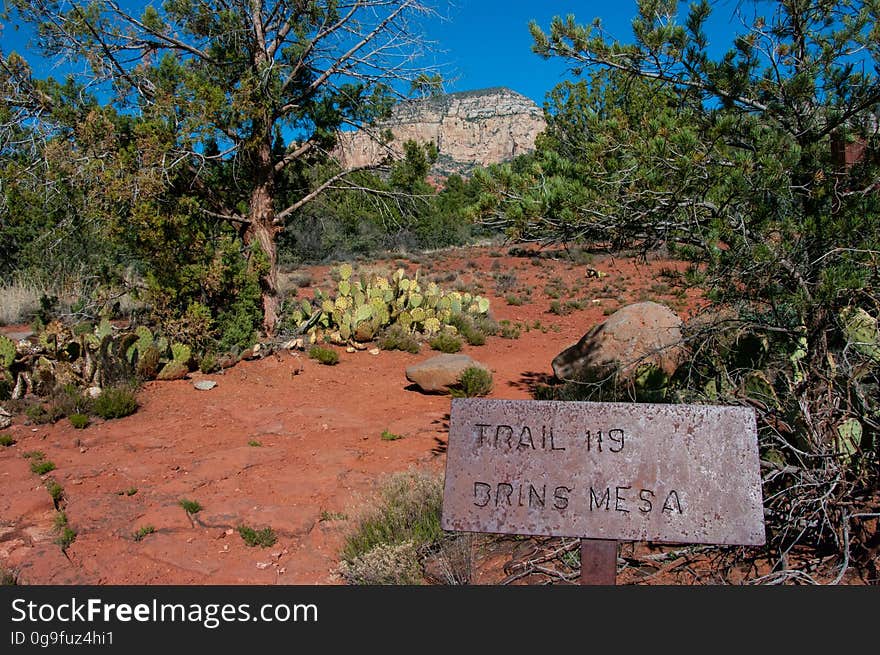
<point x="485" y="43"/>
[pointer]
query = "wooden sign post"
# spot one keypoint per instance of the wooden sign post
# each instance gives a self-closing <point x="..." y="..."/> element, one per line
<point x="604" y="472"/>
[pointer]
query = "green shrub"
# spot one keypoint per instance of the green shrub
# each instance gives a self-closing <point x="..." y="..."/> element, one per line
<point x="397" y="338"/>
<point x="42" y="414"/>
<point x="115" y="402"/>
<point x="190" y="506"/>
<point x="41" y="466"/>
<point x="66" y="534"/>
<point x="68" y="400"/>
<point x="326" y="356"/>
<point x="208" y="364"/>
<point x="474" y="381"/>
<point x="471" y="329"/>
<point x="263" y="538"/>
<point x="56" y="491"/>
<point x="6" y="440"/>
<point x="79" y="421"/>
<point x="446" y="343"/>
<point x="405" y="519"/>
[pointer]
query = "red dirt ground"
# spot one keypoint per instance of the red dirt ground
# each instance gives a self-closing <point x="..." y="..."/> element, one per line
<point x="319" y="456"/>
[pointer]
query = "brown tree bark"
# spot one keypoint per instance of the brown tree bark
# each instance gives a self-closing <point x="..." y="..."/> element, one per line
<point x="262" y="232"/>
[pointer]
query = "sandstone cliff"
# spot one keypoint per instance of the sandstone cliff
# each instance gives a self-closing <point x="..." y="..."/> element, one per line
<point x="473" y="128"/>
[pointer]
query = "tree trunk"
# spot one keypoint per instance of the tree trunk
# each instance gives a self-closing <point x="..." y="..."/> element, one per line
<point x="263" y="232"/>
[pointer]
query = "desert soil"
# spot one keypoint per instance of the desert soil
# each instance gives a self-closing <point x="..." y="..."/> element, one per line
<point x="283" y="441"/>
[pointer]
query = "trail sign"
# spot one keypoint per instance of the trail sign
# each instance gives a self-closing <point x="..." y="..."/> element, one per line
<point x="605" y="471"/>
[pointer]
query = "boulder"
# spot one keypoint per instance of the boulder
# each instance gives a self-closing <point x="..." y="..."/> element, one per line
<point x="439" y="373"/>
<point x="645" y="333"/>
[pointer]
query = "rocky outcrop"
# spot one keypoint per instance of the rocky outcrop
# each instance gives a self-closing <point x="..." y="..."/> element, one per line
<point x="635" y="336"/>
<point x="474" y="128"/>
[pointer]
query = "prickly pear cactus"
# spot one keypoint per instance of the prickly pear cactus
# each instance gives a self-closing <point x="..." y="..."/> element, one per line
<point x="7" y="353"/>
<point x="860" y="329"/>
<point x="364" y="306"/>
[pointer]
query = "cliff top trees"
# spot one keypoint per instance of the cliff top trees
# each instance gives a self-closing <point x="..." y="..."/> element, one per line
<point x="219" y="86"/>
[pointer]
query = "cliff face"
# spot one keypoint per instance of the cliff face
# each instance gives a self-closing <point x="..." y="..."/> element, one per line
<point x="474" y="128"/>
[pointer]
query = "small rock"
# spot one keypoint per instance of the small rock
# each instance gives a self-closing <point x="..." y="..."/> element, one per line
<point x="374" y="351"/>
<point x="439" y="373"/>
<point x="257" y="348"/>
<point x="350" y="349"/>
<point x="204" y="385"/>
<point x="359" y="346"/>
<point x="229" y="531"/>
<point x="263" y="565"/>
<point x="93" y="392"/>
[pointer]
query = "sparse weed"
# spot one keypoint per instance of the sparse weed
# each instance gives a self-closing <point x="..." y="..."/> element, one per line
<point x="510" y="330"/>
<point x="505" y="282"/>
<point x="263" y="538"/>
<point x="333" y="516"/>
<point x="143" y="532"/>
<point x="39" y="464"/>
<point x="390" y="436"/>
<point x="474" y="381"/>
<point x="79" y="421"/>
<point x="66" y="534"/>
<point x="397" y="338"/>
<point x="408" y="511"/>
<point x="40" y="414"/>
<point x="446" y="343"/>
<point x="116" y="402"/>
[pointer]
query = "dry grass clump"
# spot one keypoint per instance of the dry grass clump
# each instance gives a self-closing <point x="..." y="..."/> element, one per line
<point x="18" y="302"/>
<point x="388" y="538"/>
<point x="384" y="564"/>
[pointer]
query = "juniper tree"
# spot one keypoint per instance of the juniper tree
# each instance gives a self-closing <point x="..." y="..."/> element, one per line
<point x="761" y="164"/>
<point x="232" y="95"/>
